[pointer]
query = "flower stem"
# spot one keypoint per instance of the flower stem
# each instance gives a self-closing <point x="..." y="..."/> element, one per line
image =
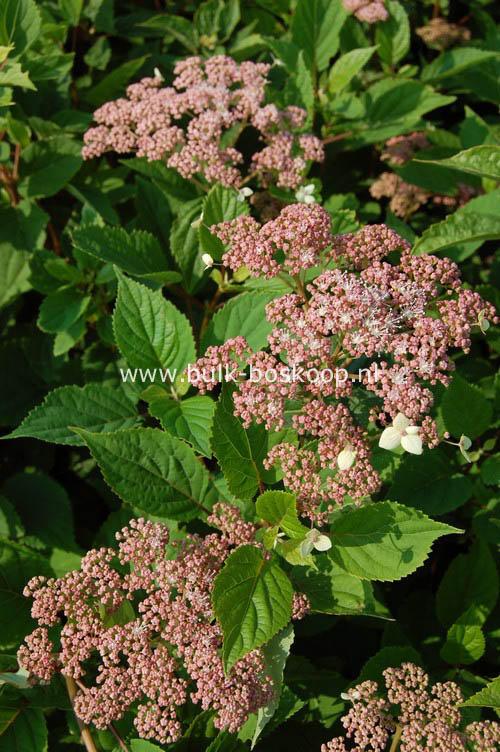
<point x="396" y="738"/>
<point x="85" y="732"/>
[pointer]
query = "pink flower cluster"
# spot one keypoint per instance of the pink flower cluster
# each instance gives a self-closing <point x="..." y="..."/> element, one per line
<point x="401" y="317"/>
<point x="217" y="98"/>
<point x="156" y="653"/>
<point x="424" y="717"/>
<point x="370" y="11"/>
<point x="400" y="149"/>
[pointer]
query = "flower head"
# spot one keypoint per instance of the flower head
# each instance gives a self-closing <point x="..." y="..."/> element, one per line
<point x="401" y="433"/>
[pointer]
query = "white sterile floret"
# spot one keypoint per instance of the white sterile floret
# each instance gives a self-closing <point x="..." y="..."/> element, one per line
<point x="483" y="322"/>
<point x="158" y="75"/>
<point x="244" y="193"/>
<point x="197" y="222"/>
<point x="464" y="444"/>
<point x="346" y="458"/>
<point x="314" y="539"/>
<point x="401" y="433"/>
<point x="207" y="260"/>
<point x="305" y="194"/>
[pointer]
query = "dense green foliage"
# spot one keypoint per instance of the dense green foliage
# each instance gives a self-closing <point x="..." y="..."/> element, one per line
<point x="102" y="271"/>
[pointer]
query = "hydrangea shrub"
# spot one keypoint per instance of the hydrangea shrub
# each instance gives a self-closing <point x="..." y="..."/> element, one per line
<point x="250" y="307"/>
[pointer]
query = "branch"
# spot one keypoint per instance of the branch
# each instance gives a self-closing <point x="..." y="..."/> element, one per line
<point x="85" y="732"/>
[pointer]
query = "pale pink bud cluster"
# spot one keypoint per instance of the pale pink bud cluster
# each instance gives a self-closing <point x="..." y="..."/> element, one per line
<point x="147" y="633"/>
<point x="370" y="11"/>
<point x="217" y="98"/>
<point x="400" y="149"/>
<point x="405" y="316"/>
<point x="425" y="717"/>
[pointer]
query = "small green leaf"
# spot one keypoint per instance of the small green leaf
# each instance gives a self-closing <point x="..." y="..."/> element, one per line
<point x="151" y="332"/>
<point x="479" y="160"/>
<point x="384" y="540"/>
<point x="347" y="66"/>
<point x="243" y="316"/>
<point x="220" y="205"/>
<point x="280" y="508"/>
<point x="275" y="653"/>
<point x="252" y="601"/>
<point x="190" y="419"/>
<point x="471" y="580"/>
<point x="472" y="421"/>
<point x="61" y="309"/>
<point x="393" y="35"/>
<point x="464" y="644"/>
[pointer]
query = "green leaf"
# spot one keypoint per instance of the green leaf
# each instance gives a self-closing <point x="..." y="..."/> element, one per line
<point x="490" y="470"/>
<point x="39" y="500"/>
<point x="252" y="601"/>
<point x="185" y="244"/>
<point x="46" y="166"/>
<point x="15" y="273"/>
<point x="10" y="524"/>
<point x="475" y="419"/>
<point x="190" y="419"/>
<point x="141" y="745"/>
<point x="280" y="508"/>
<point x="19" y="24"/>
<point x="275" y="653"/>
<point x="17" y="565"/>
<point x="61" y="309"/>
<point x="316" y="28"/>
<point x="384" y="540"/>
<point x="480" y="160"/>
<point x="460" y="227"/>
<point x="111" y="84"/>
<point x="13" y="75"/>
<point x="488" y="697"/>
<point x="300" y="88"/>
<point x="393" y="35"/>
<point x="25" y="732"/>
<point x="232" y="448"/>
<point x="71" y="10"/>
<point x="428" y="483"/>
<point x="150" y="332"/>
<point x="137" y="252"/>
<point x="394" y="655"/>
<point x="470" y="580"/>
<point x="220" y="205"/>
<point x="331" y="590"/>
<point x="96" y="408"/>
<point x="244" y="316"/>
<point x="153" y="471"/>
<point x="464" y="644"/>
<point x="455" y="61"/>
<point x="178" y="27"/>
<point x="347" y="66"/>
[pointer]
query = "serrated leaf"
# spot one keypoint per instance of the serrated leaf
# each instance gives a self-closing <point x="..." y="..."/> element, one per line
<point x="475" y="419"/>
<point x="61" y="309"/>
<point x="479" y="160"/>
<point x="252" y="601"/>
<point x="331" y="590"/>
<point x="393" y="35"/>
<point x="275" y="653"/>
<point x="137" y="252"/>
<point x="15" y="273"/>
<point x="244" y="316"/>
<point x="394" y="655"/>
<point x="384" y="541"/>
<point x="464" y="644"/>
<point x="347" y="66"/>
<point x="190" y="419"/>
<point x="220" y="205"/>
<point x="153" y="471"/>
<point x="94" y="407"/>
<point x="488" y="697"/>
<point x="471" y="580"/>
<point x="151" y="333"/>
<point x="316" y="28"/>
<point x="185" y="244"/>
<point x="14" y="75"/>
<point x="460" y="227"/>
<point x="280" y="508"/>
<point x="46" y="166"/>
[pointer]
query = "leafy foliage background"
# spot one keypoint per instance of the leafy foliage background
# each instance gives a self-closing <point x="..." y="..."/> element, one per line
<point x="86" y="248"/>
